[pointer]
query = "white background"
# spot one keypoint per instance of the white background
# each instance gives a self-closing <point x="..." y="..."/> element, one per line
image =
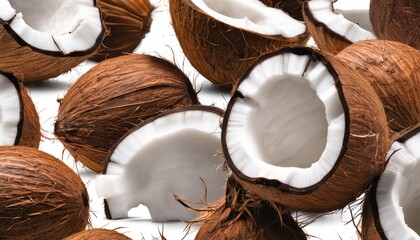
<point x="161" y="41"/>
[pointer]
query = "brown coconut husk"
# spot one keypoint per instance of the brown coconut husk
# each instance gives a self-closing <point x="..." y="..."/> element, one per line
<point x="98" y="234"/>
<point x="396" y="20"/>
<point x="128" y="21"/>
<point x="34" y="65"/>
<point x="29" y="129"/>
<point x="292" y="7"/>
<point x="40" y="197"/>
<point x="392" y="69"/>
<point x="361" y="160"/>
<point x="113" y="97"/>
<point x="220" y="52"/>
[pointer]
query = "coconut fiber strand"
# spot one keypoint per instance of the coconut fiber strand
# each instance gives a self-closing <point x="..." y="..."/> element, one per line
<point x="98" y="234"/>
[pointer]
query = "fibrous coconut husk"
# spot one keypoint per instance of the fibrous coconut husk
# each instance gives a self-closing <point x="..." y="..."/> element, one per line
<point x="40" y="197"/>
<point x="220" y="52"/>
<point x="292" y="7"/>
<point x="112" y="98"/>
<point x="98" y="234"/>
<point x="128" y="21"/>
<point x="396" y="20"/>
<point x="393" y="70"/>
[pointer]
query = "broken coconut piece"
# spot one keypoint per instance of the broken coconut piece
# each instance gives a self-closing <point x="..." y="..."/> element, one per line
<point x="332" y="32"/>
<point x="161" y="157"/>
<point x="19" y="121"/>
<point x="298" y="129"/>
<point x="222" y="38"/>
<point x="40" y="39"/>
<point x="392" y="206"/>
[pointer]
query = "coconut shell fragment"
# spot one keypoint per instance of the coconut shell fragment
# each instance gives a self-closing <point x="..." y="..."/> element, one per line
<point x="40" y="197"/>
<point x="98" y="234"/>
<point x="112" y="98"/>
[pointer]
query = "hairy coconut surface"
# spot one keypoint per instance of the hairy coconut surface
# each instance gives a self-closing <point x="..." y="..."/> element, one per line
<point x="19" y="120"/>
<point x="392" y="206"/>
<point x="332" y="32"/>
<point x="222" y="48"/>
<point x="241" y="215"/>
<point x="40" y="197"/>
<point x="396" y="20"/>
<point x="112" y="98"/>
<point x="299" y="128"/>
<point x="393" y="70"/>
<point x="128" y="22"/>
<point x="48" y="38"/>
<point x="291" y="7"/>
<point x="98" y="234"/>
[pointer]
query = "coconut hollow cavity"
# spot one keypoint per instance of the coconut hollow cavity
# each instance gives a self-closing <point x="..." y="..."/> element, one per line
<point x="392" y="208"/>
<point x="296" y="130"/>
<point x="332" y="31"/>
<point x="19" y="121"/>
<point x="171" y="154"/>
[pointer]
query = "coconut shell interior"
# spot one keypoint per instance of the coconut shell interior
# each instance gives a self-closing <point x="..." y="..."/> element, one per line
<point x="292" y="7"/>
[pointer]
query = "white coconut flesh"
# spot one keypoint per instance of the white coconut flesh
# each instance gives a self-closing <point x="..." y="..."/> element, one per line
<point x="252" y="15"/>
<point x="289" y="126"/>
<point x="398" y="191"/>
<point x="9" y="111"/>
<point x="322" y="11"/>
<point x="64" y="26"/>
<point x="165" y="157"/>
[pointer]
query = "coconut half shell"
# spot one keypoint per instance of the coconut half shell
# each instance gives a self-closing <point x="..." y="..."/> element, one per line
<point x="40" y="197"/>
<point x="219" y="51"/>
<point x="128" y="21"/>
<point x="98" y="234"/>
<point x="112" y="98"/>
<point x="19" y="119"/>
<point x="34" y="52"/>
<point x="299" y="128"/>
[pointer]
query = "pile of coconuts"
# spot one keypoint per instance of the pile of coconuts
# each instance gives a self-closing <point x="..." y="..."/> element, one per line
<point x="305" y="129"/>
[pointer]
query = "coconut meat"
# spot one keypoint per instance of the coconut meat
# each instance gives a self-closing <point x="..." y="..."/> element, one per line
<point x="289" y="126"/>
<point x="9" y="111"/>
<point x="165" y="157"/>
<point x="64" y="26"/>
<point x="322" y="11"/>
<point x="252" y="15"/>
<point x="398" y="191"/>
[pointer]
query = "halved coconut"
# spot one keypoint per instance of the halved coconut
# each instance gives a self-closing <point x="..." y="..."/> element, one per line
<point x="19" y="121"/>
<point x="221" y="38"/>
<point x="392" y="68"/>
<point x="98" y="234"/>
<point x="392" y="206"/>
<point x="40" y="39"/>
<point x="113" y="97"/>
<point x="332" y="32"/>
<point x="163" y="156"/>
<point x="304" y="133"/>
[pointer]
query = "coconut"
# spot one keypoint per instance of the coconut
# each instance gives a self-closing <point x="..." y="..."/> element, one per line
<point x="173" y="153"/>
<point x="392" y="206"/>
<point x="241" y="215"/>
<point x="299" y="128"/>
<point x="40" y="197"/>
<point x="128" y="22"/>
<point x="392" y="69"/>
<point x="98" y="234"/>
<point x="331" y="31"/>
<point x="396" y="20"/>
<point x="291" y="7"/>
<point x="19" y="121"/>
<point x="40" y="39"/>
<point x="222" y="38"/>
<point x="112" y="98"/>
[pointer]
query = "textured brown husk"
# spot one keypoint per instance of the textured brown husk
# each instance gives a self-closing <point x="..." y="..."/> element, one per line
<point x="396" y="20"/>
<point x="34" y="65"/>
<point x="98" y="234"/>
<point x="362" y="157"/>
<point x="40" y="197"/>
<point x="326" y="39"/>
<point x="241" y="215"/>
<point x="220" y="52"/>
<point x="292" y="7"/>
<point x="113" y="97"/>
<point x="128" y="22"/>
<point x="393" y="70"/>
